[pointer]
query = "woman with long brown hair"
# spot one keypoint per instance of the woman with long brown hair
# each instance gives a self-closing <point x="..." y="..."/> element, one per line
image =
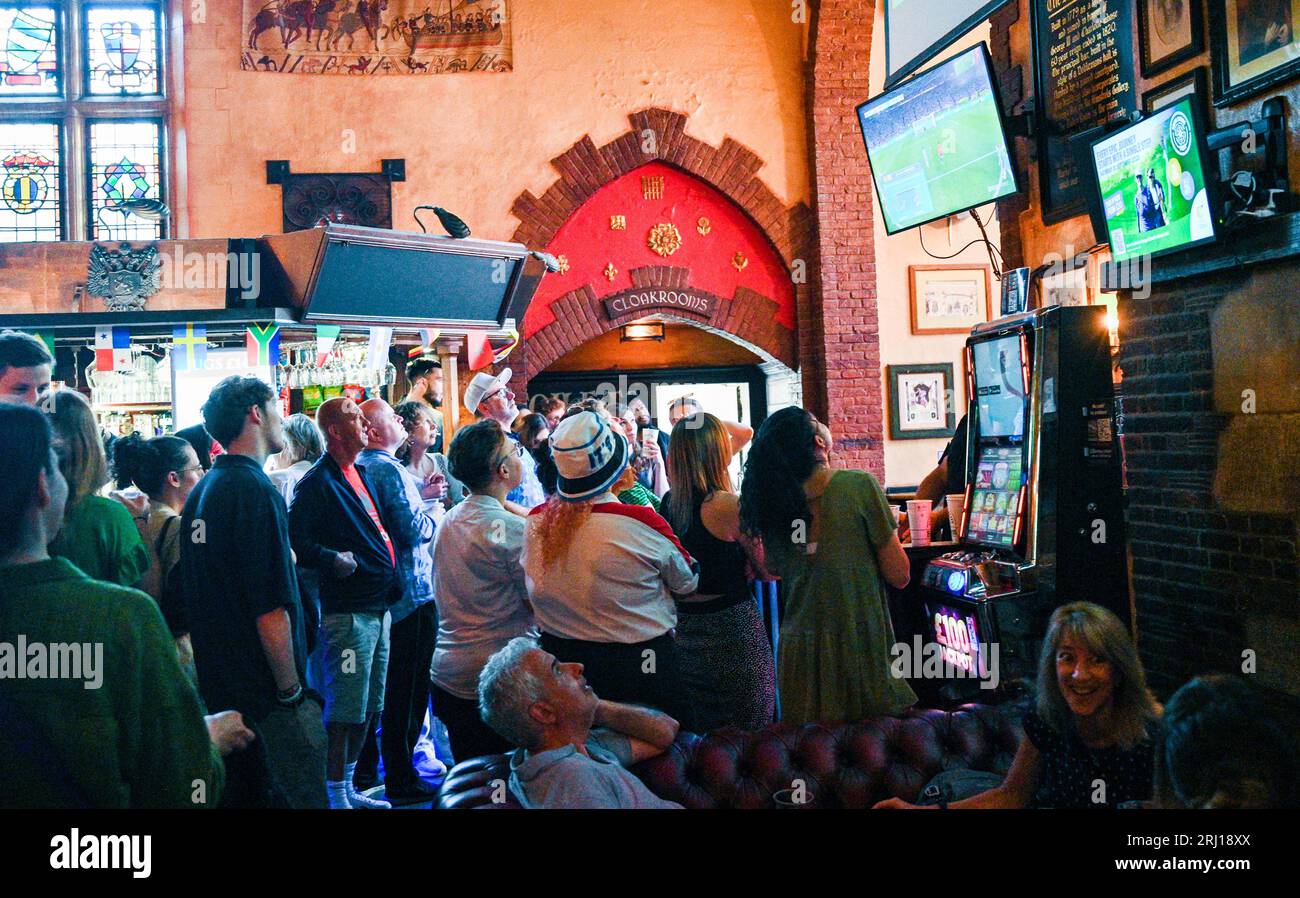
<point x="99" y="534"/>
<point x="725" y="657"/>
<point x="602" y="574"/>
<point x="830" y="536"/>
<point x="1093" y="723"/>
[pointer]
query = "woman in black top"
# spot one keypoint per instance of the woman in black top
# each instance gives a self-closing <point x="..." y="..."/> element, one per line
<point x="726" y="662"/>
<point x="1089" y="739"/>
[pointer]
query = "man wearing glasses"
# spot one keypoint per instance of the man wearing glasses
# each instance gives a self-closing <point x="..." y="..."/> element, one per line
<point x="489" y="398"/>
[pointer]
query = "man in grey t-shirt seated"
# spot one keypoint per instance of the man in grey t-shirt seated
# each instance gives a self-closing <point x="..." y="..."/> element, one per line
<point x="548" y="710"/>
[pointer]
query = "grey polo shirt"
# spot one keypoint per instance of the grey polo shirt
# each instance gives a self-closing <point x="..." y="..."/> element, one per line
<point x="566" y="778"/>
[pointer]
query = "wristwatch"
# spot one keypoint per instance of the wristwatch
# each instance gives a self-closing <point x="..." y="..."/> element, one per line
<point x="938" y="794"/>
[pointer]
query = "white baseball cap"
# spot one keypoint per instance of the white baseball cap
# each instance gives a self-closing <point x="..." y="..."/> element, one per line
<point x="481" y="385"/>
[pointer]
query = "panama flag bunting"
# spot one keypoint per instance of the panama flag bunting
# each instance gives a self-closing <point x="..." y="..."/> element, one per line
<point x="112" y="348"/>
<point x="189" y="347"/>
<point x="263" y="343"/>
<point x="326" y="334"/>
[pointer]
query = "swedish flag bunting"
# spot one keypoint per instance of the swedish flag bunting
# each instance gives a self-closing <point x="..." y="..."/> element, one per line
<point x="189" y="347"/>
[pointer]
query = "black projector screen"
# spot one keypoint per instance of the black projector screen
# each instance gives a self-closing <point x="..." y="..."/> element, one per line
<point x="918" y="30"/>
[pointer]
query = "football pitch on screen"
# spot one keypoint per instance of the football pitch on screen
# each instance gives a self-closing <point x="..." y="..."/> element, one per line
<point x="954" y="163"/>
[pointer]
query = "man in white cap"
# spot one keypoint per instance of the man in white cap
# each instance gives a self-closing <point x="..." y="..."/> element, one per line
<point x="490" y="398"/>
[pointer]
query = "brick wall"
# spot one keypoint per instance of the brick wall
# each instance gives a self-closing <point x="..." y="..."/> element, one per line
<point x="839" y="339"/>
<point x="1210" y="582"/>
<point x="1012" y="87"/>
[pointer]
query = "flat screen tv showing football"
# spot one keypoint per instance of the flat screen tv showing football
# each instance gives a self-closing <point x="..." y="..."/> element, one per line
<point x="936" y="143"/>
<point x="1151" y="178"/>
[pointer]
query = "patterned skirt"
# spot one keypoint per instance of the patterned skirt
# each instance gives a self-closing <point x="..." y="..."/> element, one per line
<point x="725" y="664"/>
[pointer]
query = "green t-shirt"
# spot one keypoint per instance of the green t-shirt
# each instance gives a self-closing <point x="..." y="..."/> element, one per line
<point x="637" y="494"/>
<point x="100" y="538"/>
<point x="135" y="739"/>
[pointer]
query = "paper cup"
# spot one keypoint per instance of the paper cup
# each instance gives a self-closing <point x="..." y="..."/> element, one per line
<point x="956" y="505"/>
<point x="918" y="519"/>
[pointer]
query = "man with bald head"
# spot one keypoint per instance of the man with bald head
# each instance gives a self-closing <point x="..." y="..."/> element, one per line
<point x="336" y="526"/>
<point x="414" y="617"/>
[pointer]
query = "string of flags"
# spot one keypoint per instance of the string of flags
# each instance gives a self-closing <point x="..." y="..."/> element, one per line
<point x="262" y="342"/>
<point x="429" y="337"/>
<point x="189" y="347"/>
<point x="112" y="348"/>
<point x="326" y="335"/>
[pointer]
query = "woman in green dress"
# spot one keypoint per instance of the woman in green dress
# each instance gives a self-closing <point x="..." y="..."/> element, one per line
<point x="831" y="538"/>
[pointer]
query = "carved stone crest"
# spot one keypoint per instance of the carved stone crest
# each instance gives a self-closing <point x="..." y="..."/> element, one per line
<point x="124" y="277"/>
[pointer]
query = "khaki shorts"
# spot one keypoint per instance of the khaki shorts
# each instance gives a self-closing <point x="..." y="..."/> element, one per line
<point x="356" y="665"/>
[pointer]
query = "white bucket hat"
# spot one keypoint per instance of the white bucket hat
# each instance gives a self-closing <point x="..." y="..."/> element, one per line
<point x="589" y="456"/>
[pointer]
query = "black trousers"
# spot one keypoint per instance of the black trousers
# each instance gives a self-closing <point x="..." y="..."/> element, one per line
<point x="642" y="673"/>
<point x="406" y="698"/>
<point x="470" y="737"/>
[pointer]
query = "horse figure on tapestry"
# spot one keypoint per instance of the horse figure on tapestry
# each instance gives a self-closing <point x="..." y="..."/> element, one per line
<point x="366" y="17"/>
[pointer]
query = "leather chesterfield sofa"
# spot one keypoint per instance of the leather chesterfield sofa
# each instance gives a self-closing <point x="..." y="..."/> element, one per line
<point x="844" y="765"/>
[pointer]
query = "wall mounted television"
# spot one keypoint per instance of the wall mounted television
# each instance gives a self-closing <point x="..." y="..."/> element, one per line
<point x="918" y="30"/>
<point x="937" y="143"/>
<point x="1151" y="180"/>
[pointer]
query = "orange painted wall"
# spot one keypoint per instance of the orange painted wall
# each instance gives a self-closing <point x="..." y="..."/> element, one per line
<point x="473" y="141"/>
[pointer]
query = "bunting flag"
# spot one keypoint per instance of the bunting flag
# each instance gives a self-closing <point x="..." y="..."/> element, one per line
<point x="189" y="347"/>
<point x="479" y="350"/>
<point x="263" y="344"/>
<point x="430" y="336"/>
<point x="326" y="334"/>
<point x="46" y="337"/>
<point x="504" y="351"/>
<point x="112" y="348"/>
<point x="377" y="355"/>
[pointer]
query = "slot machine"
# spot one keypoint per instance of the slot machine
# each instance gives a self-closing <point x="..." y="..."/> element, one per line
<point x="1043" y="520"/>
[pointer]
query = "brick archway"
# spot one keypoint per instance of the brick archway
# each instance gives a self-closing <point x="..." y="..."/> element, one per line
<point x="746" y="316"/>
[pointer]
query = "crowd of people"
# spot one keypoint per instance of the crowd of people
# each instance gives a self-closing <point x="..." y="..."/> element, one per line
<point x="570" y="584"/>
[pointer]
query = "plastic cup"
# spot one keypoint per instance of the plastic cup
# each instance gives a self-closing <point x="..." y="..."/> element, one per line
<point x="918" y="520"/>
<point x="956" y="505"/>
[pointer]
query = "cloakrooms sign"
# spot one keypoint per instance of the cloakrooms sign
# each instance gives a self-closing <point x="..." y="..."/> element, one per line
<point x="681" y="300"/>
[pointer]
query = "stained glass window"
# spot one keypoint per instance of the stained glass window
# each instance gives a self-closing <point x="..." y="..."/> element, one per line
<point x="29" y="42"/>
<point x="83" y="120"/>
<point x="125" y="165"/>
<point x="122" y="50"/>
<point x="30" y="195"/>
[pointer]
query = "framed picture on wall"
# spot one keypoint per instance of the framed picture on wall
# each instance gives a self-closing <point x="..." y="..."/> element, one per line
<point x="949" y="299"/>
<point x="920" y="401"/>
<point x="1253" y="46"/>
<point x="1064" y="283"/>
<point x="1173" y="90"/>
<point x="1170" y="32"/>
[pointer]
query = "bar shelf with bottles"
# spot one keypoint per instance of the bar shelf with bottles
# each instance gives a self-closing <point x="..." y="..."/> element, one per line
<point x="344" y="372"/>
<point x="137" y="399"/>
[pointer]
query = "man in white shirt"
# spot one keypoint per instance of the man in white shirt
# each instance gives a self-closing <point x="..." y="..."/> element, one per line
<point x="482" y="599"/>
<point x="547" y="709"/>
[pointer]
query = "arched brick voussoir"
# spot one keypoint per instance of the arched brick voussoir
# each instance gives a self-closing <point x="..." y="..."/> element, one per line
<point x="660" y="134"/>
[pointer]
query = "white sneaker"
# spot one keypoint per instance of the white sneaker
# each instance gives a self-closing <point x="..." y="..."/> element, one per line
<point x="362" y="801"/>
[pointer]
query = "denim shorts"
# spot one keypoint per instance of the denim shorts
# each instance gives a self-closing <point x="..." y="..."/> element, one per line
<point x="356" y="665"/>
